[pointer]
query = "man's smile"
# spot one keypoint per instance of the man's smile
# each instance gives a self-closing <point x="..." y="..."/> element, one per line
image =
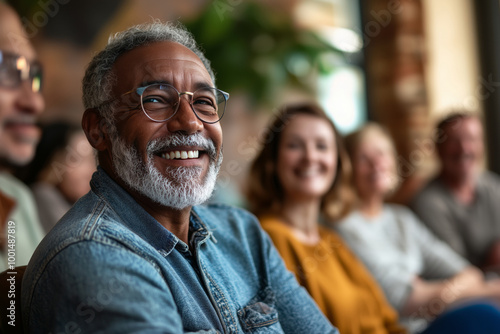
<point x="181" y="155"/>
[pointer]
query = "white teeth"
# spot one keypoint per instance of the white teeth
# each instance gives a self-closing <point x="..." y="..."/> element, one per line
<point x="181" y="155"/>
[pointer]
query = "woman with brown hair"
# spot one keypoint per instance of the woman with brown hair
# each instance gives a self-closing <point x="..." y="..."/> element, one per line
<point x="297" y="180"/>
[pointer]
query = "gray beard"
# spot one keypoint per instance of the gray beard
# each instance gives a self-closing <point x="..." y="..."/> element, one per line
<point x="182" y="187"/>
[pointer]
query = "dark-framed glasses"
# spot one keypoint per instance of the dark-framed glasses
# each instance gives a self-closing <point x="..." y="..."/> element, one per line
<point x="160" y="102"/>
<point x="15" y="69"/>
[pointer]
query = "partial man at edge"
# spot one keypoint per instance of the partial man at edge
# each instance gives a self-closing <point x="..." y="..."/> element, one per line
<point x="21" y="103"/>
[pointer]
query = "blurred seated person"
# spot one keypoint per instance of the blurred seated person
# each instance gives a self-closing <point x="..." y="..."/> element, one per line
<point x="21" y="103"/>
<point x="420" y="274"/>
<point x="60" y="172"/>
<point x="297" y="180"/>
<point x="462" y="204"/>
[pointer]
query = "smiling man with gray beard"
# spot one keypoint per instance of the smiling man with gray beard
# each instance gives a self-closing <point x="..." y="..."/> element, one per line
<point x="139" y="253"/>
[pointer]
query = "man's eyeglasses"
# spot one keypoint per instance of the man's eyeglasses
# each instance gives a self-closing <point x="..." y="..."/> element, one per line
<point x="160" y="102"/>
<point x="15" y="69"/>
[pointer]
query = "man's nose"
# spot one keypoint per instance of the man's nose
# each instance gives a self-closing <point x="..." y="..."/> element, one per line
<point x="464" y="146"/>
<point x="29" y="101"/>
<point x="184" y="119"/>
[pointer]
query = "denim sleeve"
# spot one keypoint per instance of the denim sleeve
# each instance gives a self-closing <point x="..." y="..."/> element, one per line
<point x="99" y="288"/>
<point x="298" y="313"/>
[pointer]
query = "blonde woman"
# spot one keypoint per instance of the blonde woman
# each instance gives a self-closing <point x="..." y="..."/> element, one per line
<point x="420" y="275"/>
<point x="298" y="179"/>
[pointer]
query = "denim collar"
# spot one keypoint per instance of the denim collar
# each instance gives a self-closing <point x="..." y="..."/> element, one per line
<point x="138" y="220"/>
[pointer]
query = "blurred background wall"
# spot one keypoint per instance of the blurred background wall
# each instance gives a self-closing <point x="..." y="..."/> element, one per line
<point x="403" y="63"/>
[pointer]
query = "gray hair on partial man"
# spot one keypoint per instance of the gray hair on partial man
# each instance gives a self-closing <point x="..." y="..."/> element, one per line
<point x="98" y="79"/>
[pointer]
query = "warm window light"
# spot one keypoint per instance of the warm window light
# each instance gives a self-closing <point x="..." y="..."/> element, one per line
<point x="311" y="14"/>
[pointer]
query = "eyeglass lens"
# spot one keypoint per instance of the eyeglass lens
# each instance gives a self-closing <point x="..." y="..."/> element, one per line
<point x="15" y="69"/>
<point x="160" y="102"/>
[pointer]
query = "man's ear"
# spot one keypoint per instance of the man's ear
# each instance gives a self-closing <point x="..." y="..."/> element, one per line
<point x="95" y="129"/>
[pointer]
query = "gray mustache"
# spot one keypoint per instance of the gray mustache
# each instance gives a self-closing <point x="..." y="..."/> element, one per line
<point x="175" y="140"/>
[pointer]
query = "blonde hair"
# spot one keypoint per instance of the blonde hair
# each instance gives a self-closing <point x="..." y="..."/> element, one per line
<point x="354" y="139"/>
<point x="264" y="191"/>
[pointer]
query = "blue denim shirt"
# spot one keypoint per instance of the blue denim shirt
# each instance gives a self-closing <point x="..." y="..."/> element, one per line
<point x="110" y="267"/>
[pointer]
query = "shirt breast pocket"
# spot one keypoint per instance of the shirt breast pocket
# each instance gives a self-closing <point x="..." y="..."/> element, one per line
<point x="260" y="315"/>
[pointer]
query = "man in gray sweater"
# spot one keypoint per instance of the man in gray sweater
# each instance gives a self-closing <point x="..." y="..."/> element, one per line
<point x="462" y="204"/>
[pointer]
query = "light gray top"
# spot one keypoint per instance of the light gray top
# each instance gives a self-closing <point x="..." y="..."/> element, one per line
<point x="470" y="230"/>
<point x="396" y="247"/>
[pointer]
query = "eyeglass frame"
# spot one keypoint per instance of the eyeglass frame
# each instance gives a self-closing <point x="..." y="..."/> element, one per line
<point x="26" y="73"/>
<point x="140" y="90"/>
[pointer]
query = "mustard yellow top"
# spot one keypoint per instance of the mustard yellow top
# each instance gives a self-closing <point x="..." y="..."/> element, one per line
<point x="338" y="282"/>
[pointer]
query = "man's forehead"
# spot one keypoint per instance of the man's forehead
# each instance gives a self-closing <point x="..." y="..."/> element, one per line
<point x="166" y="65"/>
<point x="457" y="127"/>
<point x="12" y="36"/>
<point x="161" y="60"/>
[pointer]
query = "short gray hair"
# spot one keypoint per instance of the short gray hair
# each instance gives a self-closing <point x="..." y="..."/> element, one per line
<point x="98" y="79"/>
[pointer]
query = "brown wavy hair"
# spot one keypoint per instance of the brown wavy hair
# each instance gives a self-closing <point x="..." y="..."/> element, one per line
<point x="264" y="192"/>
